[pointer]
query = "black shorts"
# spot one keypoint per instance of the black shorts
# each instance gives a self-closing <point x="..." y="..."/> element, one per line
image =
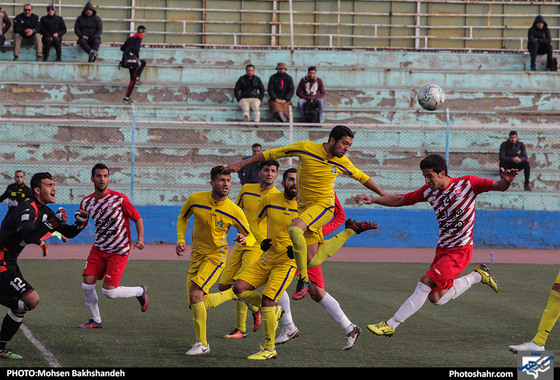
<point x="13" y="286"/>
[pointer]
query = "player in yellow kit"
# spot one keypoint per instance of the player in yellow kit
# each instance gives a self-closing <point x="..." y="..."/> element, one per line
<point x="242" y="256"/>
<point x="319" y="165"/>
<point x="213" y="214"/>
<point x="275" y="269"/>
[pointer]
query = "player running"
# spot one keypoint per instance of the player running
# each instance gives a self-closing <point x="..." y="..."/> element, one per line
<point x="453" y="200"/>
<point x="242" y="256"/>
<point x="25" y="224"/>
<point x="213" y="214"/>
<point x="111" y="212"/>
<point x="319" y="165"/>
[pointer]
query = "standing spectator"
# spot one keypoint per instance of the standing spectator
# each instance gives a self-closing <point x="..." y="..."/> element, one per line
<point x="88" y="27"/>
<point x="513" y="155"/>
<point x="26" y="30"/>
<point x="5" y="25"/>
<point x="134" y="43"/>
<point x="52" y="30"/>
<point x="311" y="89"/>
<point x="16" y="192"/>
<point x="250" y="173"/>
<point x="538" y="42"/>
<point x="280" y="91"/>
<point x="249" y="92"/>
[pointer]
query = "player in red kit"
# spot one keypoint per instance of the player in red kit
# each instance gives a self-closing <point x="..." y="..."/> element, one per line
<point x="453" y="200"/>
<point x="111" y="213"/>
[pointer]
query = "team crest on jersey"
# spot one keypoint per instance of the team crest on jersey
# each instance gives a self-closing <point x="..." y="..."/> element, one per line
<point x="334" y="169"/>
<point x="220" y="223"/>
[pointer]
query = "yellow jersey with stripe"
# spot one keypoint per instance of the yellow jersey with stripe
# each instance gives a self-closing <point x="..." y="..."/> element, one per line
<point x="211" y="223"/>
<point x="279" y="213"/>
<point x="317" y="170"/>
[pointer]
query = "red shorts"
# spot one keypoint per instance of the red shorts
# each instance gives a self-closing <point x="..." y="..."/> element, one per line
<point x="104" y="265"/>
<point x="315" y="276"/>
<point x="448" y="264"/>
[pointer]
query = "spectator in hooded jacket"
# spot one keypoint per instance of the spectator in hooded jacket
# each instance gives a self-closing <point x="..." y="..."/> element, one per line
<point x="88" y="27"/>
<point x="311" y="89"/>
<point x="52" y="30"/>
<point x="539" y="42"/>
<point x="26" y="30"/>
<point x="280" y="91"/>
<point x="249" y="92"/>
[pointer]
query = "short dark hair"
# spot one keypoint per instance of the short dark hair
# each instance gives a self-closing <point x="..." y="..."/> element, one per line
<point x="249" y="65"/>
<point x="435" y="162"/>
<point x="311" y="68"/>
<point x="98" y="166"/>
<point x="340" y="131"/>
<point x="216" y="171"/>
<point x="286" y="172"/>
<point x="256" y="145"/>
<point x="513" y="133"/>
<point x="37" y="178"/>
<point x="268" y="163"/>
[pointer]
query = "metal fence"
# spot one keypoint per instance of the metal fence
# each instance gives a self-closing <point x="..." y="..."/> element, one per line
<point x="162" y="162"/>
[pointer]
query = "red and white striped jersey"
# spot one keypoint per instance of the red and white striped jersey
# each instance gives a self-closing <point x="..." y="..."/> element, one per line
<point x="111" y="215"/>
<point x="454" y="207"/>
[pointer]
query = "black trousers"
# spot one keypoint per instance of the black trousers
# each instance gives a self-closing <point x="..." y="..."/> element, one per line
<point x="536" y="48"/>
<point x="134" y="77"/>
<point x="524" y="165"/>
<point x="51" y="41"/>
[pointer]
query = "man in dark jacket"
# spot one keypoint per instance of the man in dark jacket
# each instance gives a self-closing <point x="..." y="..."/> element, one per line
<point x="280" y="91"/>
<point x="88" y="27"/>
<point x="538" y="42"/>
<point x="5" y="25"/>
<point x="16" y="192"/>
<point x="26" y="30"/>
<point x="513" y="155"/>
<point x="134" y="43"/>
<point x="249" y="92"/>
<point x="52" y="30"/>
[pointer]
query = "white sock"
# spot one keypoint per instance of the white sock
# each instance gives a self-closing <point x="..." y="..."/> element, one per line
<point x="123" y="292"/>
<point x="411" y="305"/>
<point x="287" y="321"/>
<point x="333" y="309"/>
<point x="92" y="304"/>
<point x="460" y="285"/>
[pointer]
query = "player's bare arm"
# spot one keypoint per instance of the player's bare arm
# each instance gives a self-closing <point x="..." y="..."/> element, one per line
<point x="390" y="200"/>
<point x="240" y="239"/>
<point x="180" y="248"/>
<point x="236" y="166"/>
<point x="370" y="184"/>
<point x="507" y="177"/>
<point x="140" y="231"/>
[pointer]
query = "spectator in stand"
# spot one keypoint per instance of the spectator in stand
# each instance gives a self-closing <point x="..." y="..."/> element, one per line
<point x="5" y="25"/>
<point x="280" y="92"/>
<point x="311" y="89"/>
<point x="249" y="92"/>
<point x="513" y="155"/>
<point x="250" y="173"/>
<point x="538" y="42"/>
<point x="52" y="30"/>
<point x="26" y="30"/>
<point x="88" y="27"/>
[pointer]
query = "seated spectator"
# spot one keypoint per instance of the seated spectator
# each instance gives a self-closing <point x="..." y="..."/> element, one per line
<point x="249" y="92"/>
<point x="513" y="155"/>
<point x="88" y="27"/>
<point x="52" y="30"/>
<point x="26" y="30"/>
<point x="311" y="89"/>
<point x="5" y="25"/>
<point x="539" y="42"/>
<point x="280" y="92"/>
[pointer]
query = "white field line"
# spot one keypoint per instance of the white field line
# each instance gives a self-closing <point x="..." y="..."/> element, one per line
<point x="40" y="346"/>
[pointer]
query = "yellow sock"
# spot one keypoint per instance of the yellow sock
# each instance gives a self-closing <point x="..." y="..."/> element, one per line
<point x="252" y="297"/>
<point x="330" y="247"/>
<point x="214" y="299"/>
<point x="241" y="316"/>
<point x="199" y="319"/>
<point x="300" y="250"/>
<point x="548" y="319"/>
<point x="269" y="324"/>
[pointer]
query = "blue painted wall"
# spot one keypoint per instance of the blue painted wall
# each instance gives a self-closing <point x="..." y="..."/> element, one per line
<point x="398" y="227"/>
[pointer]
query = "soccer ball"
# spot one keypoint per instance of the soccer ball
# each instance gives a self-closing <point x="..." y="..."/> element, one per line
<point x="431" y="97"/>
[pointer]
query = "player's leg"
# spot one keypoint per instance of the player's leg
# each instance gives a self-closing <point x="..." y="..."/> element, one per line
<point x="289" y="329"/>
<point x="94" y="269"/>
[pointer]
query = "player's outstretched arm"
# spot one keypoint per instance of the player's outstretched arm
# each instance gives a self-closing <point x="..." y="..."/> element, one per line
<point x="507" y="177"/>
<point x="370" y="184"/>
<point x="391" y="200"/>
<point x="236" y="166"/>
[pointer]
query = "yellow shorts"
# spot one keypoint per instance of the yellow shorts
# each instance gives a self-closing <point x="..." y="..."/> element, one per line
<point x="276" y="278"/>
<point x="557" y="279"/>
<point x="203" y="273"/>
<point x="239" y="259"/>
<point x="315" y="216"/>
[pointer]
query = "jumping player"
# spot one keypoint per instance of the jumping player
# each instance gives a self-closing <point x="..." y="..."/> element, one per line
<point x="213" y="214"/>
<point x="453" y="200"/>
<point x="111" y="212"/>
<point x="25" y="224"/>
<point x="319" y="165"/>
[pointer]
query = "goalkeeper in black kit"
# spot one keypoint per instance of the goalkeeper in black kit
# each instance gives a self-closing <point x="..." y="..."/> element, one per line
<point x="26" y="224"/>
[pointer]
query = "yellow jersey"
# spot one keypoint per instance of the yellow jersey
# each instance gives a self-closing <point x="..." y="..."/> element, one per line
<point x="248" y="199"/>
<point x="279" y="213"/>
<point x="211" y="223"/>
<point x="316" y="171"/>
